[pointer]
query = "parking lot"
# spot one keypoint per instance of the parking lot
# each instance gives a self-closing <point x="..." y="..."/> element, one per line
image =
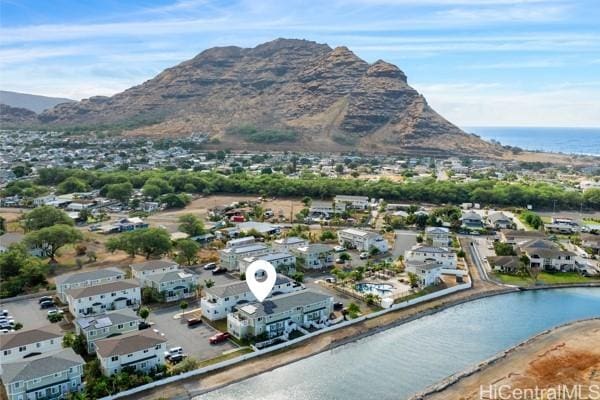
<point x="194" y="340"/>
<point x="27" y="312"/>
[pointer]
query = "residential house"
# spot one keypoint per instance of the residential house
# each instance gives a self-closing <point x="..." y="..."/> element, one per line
<point x="426" y="254"/>
<point x="45" y="376"/>
<point x="231" y="256"/>
<point x="280" y="315"/>
<point x="144" y="269"/>
<point x="105" y="325"/>
<point x="325" y="209"/>
<point x="240" y="242"/>
<point x="86" y="279"/>
<point x="289" y="243"/>
<point x="471" y="220"/>
<point x="354" y="202"/>
<point x="140" y="350"/>
<point x="515" y="237"/>
<point x="562" y="225"/>
<point x="17" y="345"/>
<point x="315" y="256"/>
<point x="438" y="236"/>
<point x="505" y="264"/>
<point x="92" y="300"/>
<point x="499" y="220"/>
<point x="278" y="260"/>
<point x="362" y="240"/>
<point x="548" y="255"/>
<point x="10" y="238"/>
<point x="175" y="285"/>
<point x="428" y="273"/>
<point x="222" y="299"/>
<point x="590" y="241"/>
<point x="264" y="228"/>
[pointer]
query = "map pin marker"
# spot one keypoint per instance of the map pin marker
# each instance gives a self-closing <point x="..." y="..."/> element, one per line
<point x="261" y="290"/>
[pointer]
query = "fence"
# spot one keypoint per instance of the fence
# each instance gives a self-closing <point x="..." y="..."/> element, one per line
<point x="292" y="342"/>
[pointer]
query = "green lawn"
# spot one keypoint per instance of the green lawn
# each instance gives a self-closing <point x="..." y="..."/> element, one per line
<point x="545" y="278"/>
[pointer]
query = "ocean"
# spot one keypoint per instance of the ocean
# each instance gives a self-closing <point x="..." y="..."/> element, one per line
<point x="556" y="140"/>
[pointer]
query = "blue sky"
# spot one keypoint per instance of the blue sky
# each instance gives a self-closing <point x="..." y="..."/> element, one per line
<point x="478" y="62"/>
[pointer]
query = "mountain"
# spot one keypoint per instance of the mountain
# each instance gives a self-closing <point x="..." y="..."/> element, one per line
<point x="14" y="115"/>
<point x="31" y="102"/>
<point x="284" y="94"/>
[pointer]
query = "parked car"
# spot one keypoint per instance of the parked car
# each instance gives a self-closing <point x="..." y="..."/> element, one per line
<point x="46" y="304"/>
<point x="173" y="351"/>
<point x="330" y="279"/>
<point x="210" y="266"/>
<point x="219" y="270"/>
<point x="55" y="311"/>
<point x="219" y="337"/>
<point x="194" y="321"/>
<point x="44" y="298"/>
<point x="339" y="249"/>
<point x="339" y="261"/>
<point x="5" y="330"/>
<point x="337" y="306"/>
<point x="364" y="255"/>
<point x="174" y="359"/>
<point x="4" y="312"/>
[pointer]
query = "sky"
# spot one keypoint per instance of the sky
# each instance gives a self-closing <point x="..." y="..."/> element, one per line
<point x="478" y="62"/>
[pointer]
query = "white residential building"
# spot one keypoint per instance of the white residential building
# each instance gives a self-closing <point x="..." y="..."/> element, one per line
<point x="104" y="325"/>
<point x="315" y="256"/>
<point x="141" y="270"/>
<point x="355" y="202"/>
<point x="92" y="300"/>
<point x="362" y="240"/>
<point x="86" y="279"/>
<point x="439" y="236"/>
<point x="278" y="260"/>
<point x="140" y="350"/>
<point x="240" y="242"/>
<point x="45" y="376"/>
<point x="280" y="315"/>
<point x="289" y="243"/>
<point x="325" y="209"/>
<point x="222" y="299"/>
<point x="426" y="254"/>
<point x="427" y="273"/>
<point x="548" y="255"/>
<point x="231" y="256"/>
<point x="175" y="285"/>
<point x="17" y="345"/>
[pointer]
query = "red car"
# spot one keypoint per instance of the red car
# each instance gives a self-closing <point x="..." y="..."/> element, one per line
<point x="219" y="337"/>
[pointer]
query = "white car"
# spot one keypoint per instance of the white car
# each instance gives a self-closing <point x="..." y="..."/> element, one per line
<point x="55" y="311"/>
<point x="339" y="249"/>
<point x="364" y="255"/>
<point x="173" y="351"/>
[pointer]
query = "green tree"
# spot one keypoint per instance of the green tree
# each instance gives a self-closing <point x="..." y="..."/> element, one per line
<point x="144" y="313"/>
<point x="208" y="283"/>
<point x="191" y="224"/>
<point x="43" y="217"/>
<point x="149" y="242"/>
<point x="52" y="238"/>
<point x="413" y="279"/>
<point x="353" y="310"/>
<point x="327" y="235"/>
<point x="119" y="191"/>
<point x="187" y="251"/>
<point x="183" y="305"/>
<point x="72" y="185"/>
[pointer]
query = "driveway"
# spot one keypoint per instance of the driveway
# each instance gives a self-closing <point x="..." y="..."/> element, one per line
<point x="405" y="240"/>
<point x="194" y="340"/>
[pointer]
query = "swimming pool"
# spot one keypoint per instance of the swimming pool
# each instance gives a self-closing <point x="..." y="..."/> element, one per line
<point x="380" y="289"/>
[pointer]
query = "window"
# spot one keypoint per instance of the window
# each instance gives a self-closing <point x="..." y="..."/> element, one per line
<point x="92" y="333"/>
<point x="6" y="352"/>
<point x="16" y="384"/>
<point x="22" y="348"/>
<point x="130" y="355"/>
<point x="113" y="294"/>
<point x="38" y="345"/>
<point x="120" y="326"/>
<point x="157" y="347"/>
<point x="114" y="358"/>
<point x="54" y="390"/>
<point x="146" y="350"/>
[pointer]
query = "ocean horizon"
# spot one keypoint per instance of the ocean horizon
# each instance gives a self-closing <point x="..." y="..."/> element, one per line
<point x="547" y="139"/>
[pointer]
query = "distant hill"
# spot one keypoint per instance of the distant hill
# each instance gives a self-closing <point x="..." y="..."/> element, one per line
<point x="287" y="94"/>
<point x="30" y="102"/>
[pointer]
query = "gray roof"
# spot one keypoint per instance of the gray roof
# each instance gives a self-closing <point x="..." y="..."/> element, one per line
<point x="540" y="244"/>
<point x="424" y="266"/>
<point x="89" y="291"/>
<point x="29" y="336"/>
<point x="314" y="248"/>
<point x="430" y="249"/>
<point x="437" y="229"/>
<point x="171" y="276"/>
<point x="245" y="249"/>
<point x="236" y="288"/>
<point x="498" y="216"/>
<point x="11" y="238"/>
<point x="290" y="240"/>
<point x="128" y="343"/>
<point x="41" y="365"/>
<point x="89" y="275"/>
<point x="153" y="264"/>
<point x="283" y="303"/>
<point x="110" y="318"/>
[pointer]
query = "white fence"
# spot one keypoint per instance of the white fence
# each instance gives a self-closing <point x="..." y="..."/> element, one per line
<point x="280" y="346"/>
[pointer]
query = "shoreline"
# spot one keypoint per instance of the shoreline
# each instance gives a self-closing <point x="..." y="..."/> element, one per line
<point x="523" y="351"/>
<point x="218" y="379"/>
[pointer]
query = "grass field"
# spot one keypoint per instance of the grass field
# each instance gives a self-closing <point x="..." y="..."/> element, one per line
<point x="545" y="278"/>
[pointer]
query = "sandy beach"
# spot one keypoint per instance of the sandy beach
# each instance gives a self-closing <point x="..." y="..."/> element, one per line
<point x="567" y="356"/>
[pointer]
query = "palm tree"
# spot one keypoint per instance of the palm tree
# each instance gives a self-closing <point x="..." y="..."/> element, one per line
<point x="183" y="305"/>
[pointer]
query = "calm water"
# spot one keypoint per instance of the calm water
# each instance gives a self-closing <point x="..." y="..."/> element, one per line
<point x="558" y="140"/>
<point x="398" y="362"/>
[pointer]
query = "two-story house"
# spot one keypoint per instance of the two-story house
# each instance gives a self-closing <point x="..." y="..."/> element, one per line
<point x="140" y="350"/>
<point x="277" y="260"/>
<point x="86" y="279"/>
<point x="315" y="256"/>
<point x="289" y="243"/>
<point x="471" y="220"/>
<point x="438" y="236"/>
<point x="17" y="345"/>
<point x="45" y="376"/>
<point x="92" y="300"/>
<point x="222" y="299"/>
<point x="547" y="255"/>
<point x="230" y="256"/>
<point x="280" y="315"/>
<point x="175" y="285"/>
<point x="141" y="270"/>
<point x="355" y="202"/>
<point x="427" y="273"/>
<point x="499" y="220"/>
<point x="102" y="326"/>
<point x="362" y="240"/>
<point x="426" y="254"/>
